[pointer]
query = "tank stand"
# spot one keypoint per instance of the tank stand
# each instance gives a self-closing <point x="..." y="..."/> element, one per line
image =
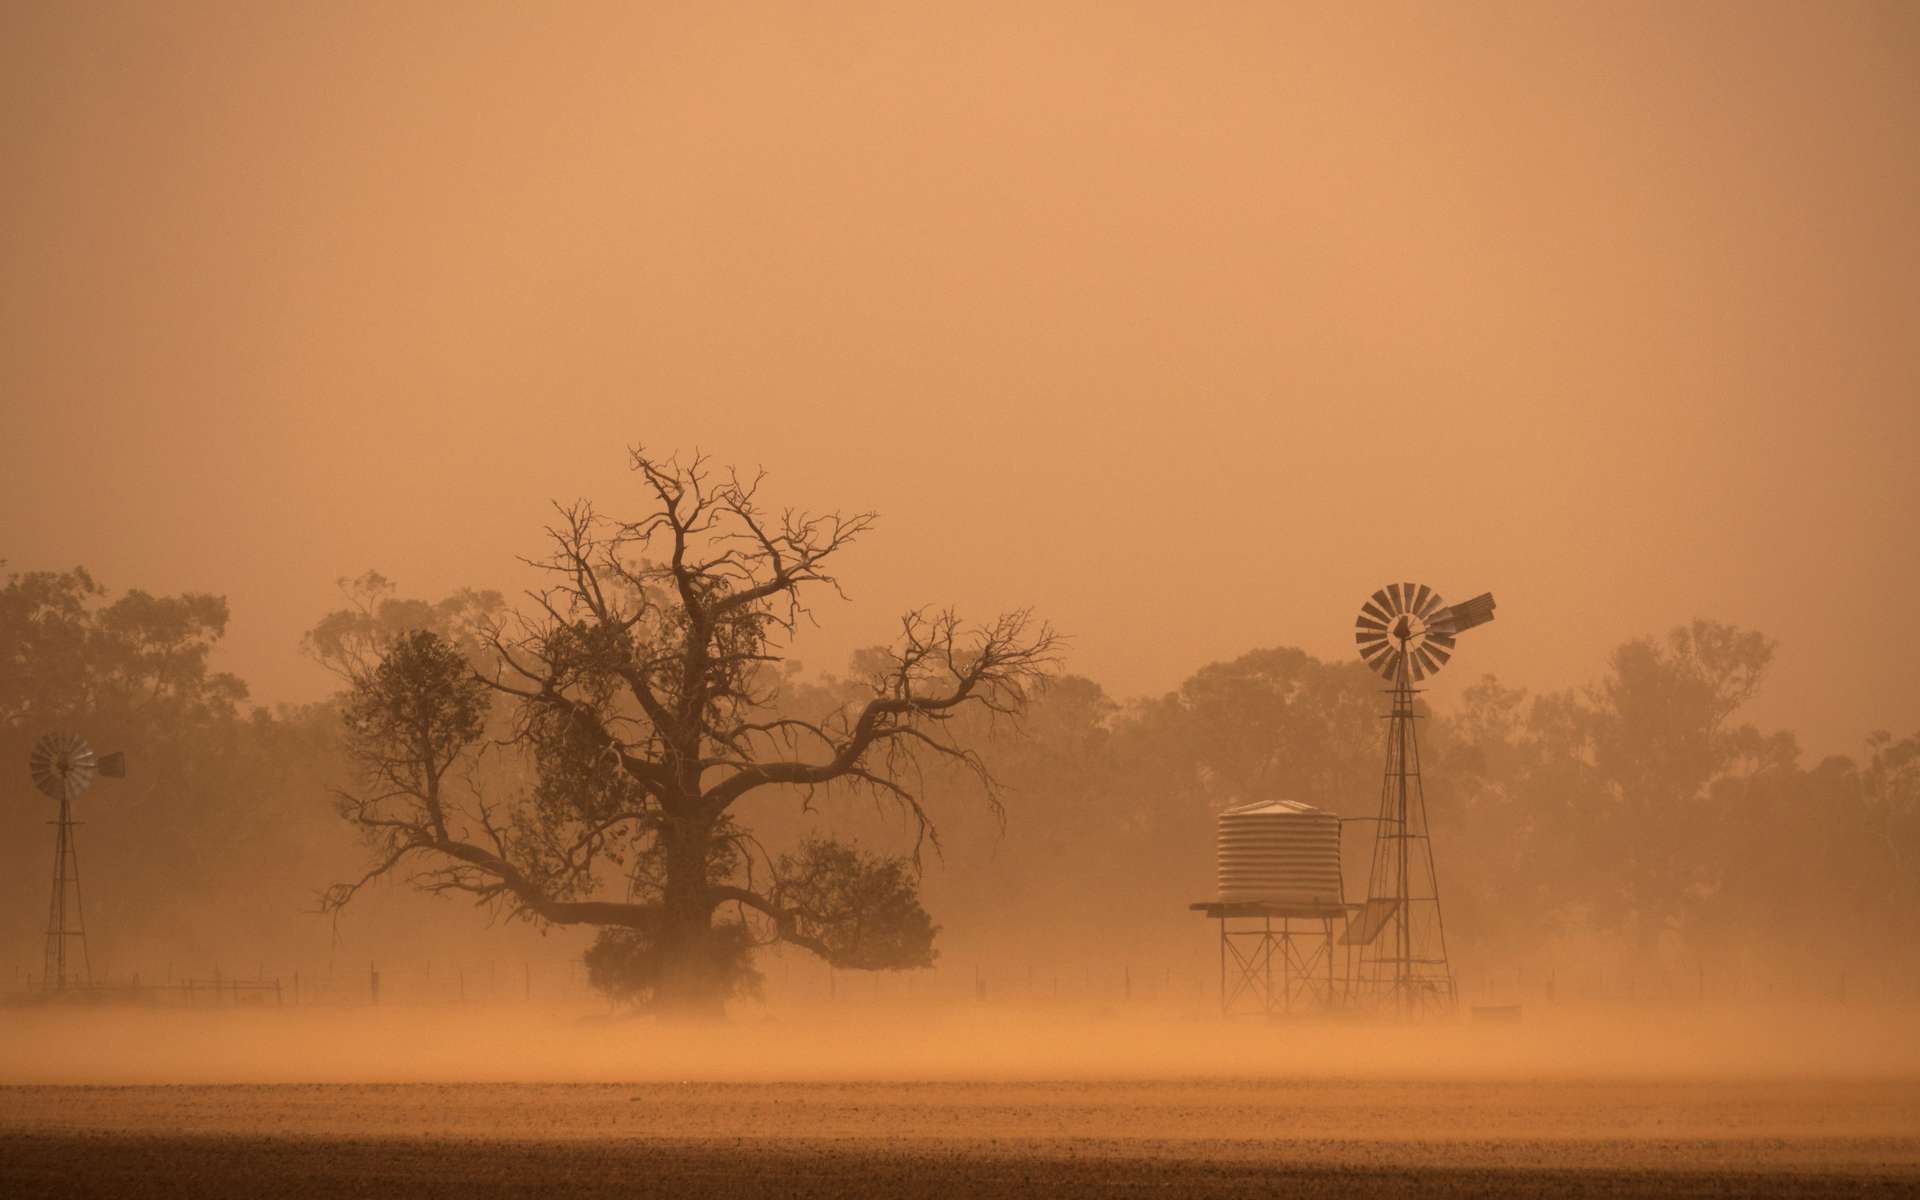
<point x="1279" y="960"/>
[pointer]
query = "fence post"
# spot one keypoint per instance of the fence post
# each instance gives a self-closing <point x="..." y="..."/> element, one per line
<point x="373" y="978"/>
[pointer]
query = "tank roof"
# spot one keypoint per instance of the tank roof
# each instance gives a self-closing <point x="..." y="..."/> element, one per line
<point x="1277" y="808"/>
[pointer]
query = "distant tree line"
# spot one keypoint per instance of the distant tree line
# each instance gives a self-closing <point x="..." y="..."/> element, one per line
<point x="1640" y="811"/>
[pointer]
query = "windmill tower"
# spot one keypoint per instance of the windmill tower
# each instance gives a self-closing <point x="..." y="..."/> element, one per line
<point x="1405" y="633"/>
<point x="63" y="765"/>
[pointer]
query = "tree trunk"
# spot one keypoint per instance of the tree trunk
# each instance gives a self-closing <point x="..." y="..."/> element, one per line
<point x="693" y="982"/>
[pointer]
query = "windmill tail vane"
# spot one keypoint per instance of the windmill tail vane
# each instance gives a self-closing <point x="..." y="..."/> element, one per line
<point x="1468" y="613"/>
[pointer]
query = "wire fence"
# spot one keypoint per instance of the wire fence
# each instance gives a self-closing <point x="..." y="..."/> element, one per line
<point x="790" y="978"/>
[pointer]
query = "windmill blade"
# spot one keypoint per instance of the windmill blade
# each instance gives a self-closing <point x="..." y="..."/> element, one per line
<point x="1370" y="609"/>
<point x="1363" y="621"/>
<point x="1380" y="598"/>
<point x="1368" y="642"/>
<point x="1399" y="603"/>
<point x="1440" y="637"/>
<point x="1424" y="656"/>
<point x="1418" y="606"/>
<point x="1440" y="653"/>
<point x="1419" y="672"/>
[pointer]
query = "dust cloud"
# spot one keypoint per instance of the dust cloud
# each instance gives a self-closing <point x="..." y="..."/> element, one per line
<point x="947" y="1043"/>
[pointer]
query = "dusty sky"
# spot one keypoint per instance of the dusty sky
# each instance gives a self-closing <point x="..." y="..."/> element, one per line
<point x="1188" y="325"/>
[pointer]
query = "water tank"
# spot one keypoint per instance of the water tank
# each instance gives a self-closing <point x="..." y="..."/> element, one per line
<point x="1279" y="852"/>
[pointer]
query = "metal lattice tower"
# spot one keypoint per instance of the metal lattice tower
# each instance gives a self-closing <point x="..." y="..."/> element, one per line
<point x="1406" y="633"/>
<point x="63" y="765"/>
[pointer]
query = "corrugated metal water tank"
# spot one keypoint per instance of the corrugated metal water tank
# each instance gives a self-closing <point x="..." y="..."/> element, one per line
<point x="1279" y="852"/>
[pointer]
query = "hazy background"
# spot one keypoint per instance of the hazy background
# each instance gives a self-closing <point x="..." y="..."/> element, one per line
<point x="1188" y="325"/>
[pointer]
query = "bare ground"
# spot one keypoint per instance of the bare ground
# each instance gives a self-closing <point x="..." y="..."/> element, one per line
<point x="1213" y="1137"/>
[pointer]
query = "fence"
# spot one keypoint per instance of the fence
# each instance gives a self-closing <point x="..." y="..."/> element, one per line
<point x="790" y="977"/>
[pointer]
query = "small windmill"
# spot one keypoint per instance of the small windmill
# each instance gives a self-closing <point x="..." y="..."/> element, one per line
<point x="1406" y="633"/>
<point x="63" y="766"/>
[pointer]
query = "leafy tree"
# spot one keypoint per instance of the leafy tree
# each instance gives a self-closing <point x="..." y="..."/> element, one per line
<point x="1889" y="822"/>
<point x="349" y="641"/>
<point x="1630" y="806"/>
<point x="641" y="690"/>
<point x="409" y="721"/>
<point x="627" y="965"/>
<point x="139" y="658"/>
<point x="1272" y="724"/>
<point x="1661" y="732"/>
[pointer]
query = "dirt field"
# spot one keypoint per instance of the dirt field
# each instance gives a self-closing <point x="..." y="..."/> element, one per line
<point x="978" y="1101"/>
<point x="982" y="1139"/>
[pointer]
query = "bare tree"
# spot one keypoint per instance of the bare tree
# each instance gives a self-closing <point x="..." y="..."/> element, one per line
<point x="640" y="685"/>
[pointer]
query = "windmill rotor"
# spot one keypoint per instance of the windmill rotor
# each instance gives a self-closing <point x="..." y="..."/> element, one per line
<point x="1408" y="626"/>
<point x="63" y="765"/>
<point x="1403" y="625"/>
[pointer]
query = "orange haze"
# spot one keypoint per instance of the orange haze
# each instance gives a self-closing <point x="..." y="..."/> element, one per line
<point x="1186" y="324"/>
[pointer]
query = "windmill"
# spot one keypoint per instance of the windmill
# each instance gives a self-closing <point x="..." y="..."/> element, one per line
<point x="1406" y="633"/>
<point x="63" y="766"/>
